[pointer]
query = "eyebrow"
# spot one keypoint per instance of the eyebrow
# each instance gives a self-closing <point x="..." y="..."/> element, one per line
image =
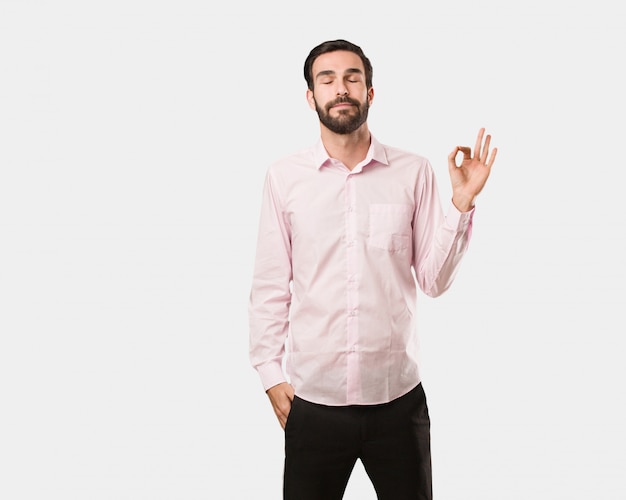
<point x="331" y="72"/>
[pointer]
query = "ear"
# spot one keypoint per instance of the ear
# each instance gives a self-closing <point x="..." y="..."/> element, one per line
<point x="370" y="95"/>
<point x="310" y="99"/>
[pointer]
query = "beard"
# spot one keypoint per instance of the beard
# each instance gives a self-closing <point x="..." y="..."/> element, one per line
<point x="347" y="121"/>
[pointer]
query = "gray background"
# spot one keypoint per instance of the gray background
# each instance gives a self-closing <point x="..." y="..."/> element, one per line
<point x="134" y="137"/>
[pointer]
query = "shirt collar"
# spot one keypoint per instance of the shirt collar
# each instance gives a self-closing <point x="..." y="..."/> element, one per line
<point x="375" y="153"/>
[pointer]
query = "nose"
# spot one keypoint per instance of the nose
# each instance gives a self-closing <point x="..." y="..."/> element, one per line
<point x="342" y="90"/>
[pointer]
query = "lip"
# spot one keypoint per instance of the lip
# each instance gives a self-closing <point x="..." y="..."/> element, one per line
<point x="343" y="105"/>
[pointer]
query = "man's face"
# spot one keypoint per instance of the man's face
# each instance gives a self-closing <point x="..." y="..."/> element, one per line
<point x="340" y="95"/>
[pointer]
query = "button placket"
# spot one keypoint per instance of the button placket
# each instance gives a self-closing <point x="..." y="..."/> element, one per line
<point x="353" y="382"/>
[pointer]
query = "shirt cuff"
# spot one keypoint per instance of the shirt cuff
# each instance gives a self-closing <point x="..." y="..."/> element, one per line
<point x="459" y="220"/>
<point x="271" y="374"/>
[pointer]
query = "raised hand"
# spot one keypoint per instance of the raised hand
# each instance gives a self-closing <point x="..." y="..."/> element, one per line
<point x="469" y="178"/>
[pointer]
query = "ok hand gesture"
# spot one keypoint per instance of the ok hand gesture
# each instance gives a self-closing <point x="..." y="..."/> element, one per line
<point x="469" y="178"/>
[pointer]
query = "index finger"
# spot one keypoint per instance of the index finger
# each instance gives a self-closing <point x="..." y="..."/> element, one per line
<point x="467" y="152"/>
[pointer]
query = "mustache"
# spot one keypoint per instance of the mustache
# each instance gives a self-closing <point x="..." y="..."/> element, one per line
<point x="343" y="100"/>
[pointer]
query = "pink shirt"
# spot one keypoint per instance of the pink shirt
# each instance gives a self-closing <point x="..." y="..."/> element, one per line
<point x="339" y="254"/>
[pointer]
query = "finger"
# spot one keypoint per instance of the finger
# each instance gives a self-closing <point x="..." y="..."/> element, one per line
<point x="467" y="152"/>
<point x="290" y="393"/>
<point x="452" y="156"/>
<point x="494" y="152"/>
<point x="452" y="159"/>
<point x="282" y="417"/>
<point x="479" y="143"/>
<point x="485" y="152"/>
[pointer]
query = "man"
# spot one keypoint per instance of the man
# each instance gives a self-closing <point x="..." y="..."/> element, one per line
<point x="343" y="226"/>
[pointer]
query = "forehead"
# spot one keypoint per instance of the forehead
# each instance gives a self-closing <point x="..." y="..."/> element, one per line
<point x="338" y="62"/>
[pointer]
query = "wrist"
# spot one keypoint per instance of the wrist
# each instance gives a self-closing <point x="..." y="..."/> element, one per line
<point x="463" y="203"/>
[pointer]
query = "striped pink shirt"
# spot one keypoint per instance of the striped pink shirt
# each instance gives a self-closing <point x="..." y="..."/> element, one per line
<point x="339" y="254"/>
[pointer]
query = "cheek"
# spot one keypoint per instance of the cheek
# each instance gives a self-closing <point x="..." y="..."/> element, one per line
<point x="321" y="99"/>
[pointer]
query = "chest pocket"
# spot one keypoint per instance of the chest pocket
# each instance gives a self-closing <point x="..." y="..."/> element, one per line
<point x="390" y="226"/>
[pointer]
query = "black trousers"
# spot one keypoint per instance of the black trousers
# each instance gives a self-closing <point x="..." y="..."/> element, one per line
<point x="392" y="440"/>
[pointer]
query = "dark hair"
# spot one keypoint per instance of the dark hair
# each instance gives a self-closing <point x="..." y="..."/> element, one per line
<point x="332" y="46"/>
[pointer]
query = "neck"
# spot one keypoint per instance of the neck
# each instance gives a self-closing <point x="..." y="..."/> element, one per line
<point x="350" y="149"/>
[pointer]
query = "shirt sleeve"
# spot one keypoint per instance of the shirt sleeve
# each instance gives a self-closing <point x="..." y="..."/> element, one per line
<point x="439" y="241"/>
<point x="270" y="295"/>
